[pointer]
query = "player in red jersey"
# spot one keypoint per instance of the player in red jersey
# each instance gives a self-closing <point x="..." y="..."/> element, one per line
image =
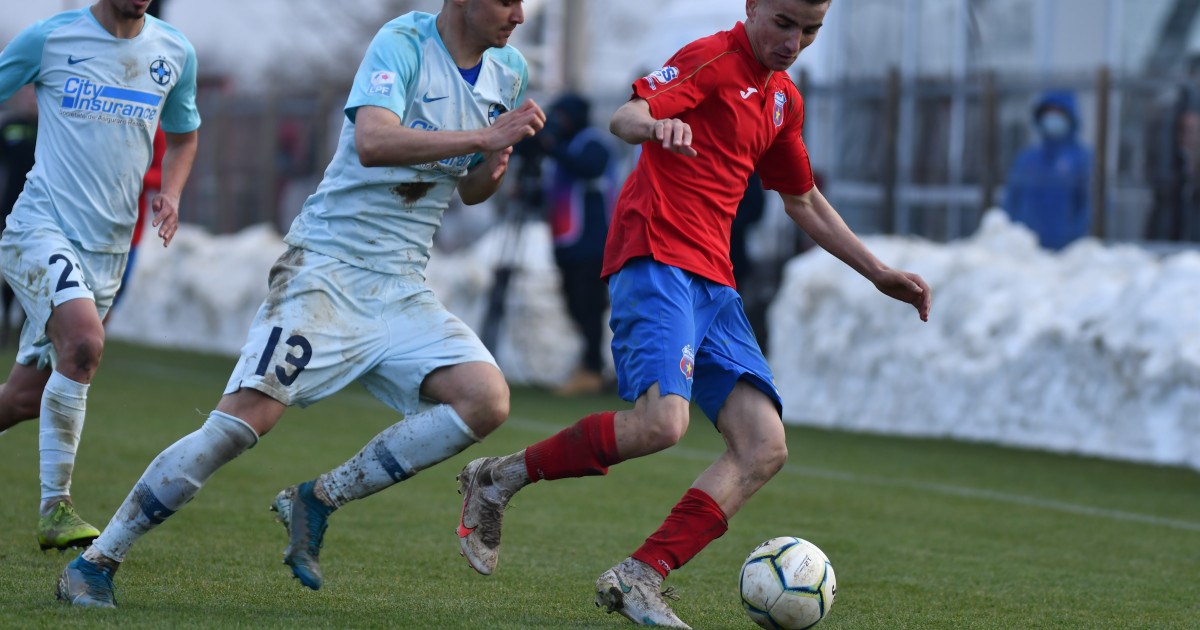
<point x="721" y="108"/>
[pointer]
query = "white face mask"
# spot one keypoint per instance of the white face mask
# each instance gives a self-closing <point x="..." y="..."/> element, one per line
<point x="1055" y="124"/>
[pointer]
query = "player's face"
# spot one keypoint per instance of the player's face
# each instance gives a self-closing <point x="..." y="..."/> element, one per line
<point x="493" y="21"/>
<point x="779" y="29"/>
<point x="129" y="9"/>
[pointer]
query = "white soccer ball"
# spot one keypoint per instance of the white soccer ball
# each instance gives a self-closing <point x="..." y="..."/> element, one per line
<point x="787" y="584"/>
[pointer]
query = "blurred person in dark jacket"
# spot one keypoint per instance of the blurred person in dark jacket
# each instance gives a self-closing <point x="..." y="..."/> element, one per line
<point x="18" y="138"/>
<point x="580" y="189"/>
<point x="1048" y="187"/>
<point x="1173" y="163"/>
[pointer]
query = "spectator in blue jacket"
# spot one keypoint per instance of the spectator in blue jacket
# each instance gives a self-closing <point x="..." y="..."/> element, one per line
<point x="580" y="191"/>
<point x="1048" y="184"/>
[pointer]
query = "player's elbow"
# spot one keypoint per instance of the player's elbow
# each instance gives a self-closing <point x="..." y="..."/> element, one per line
<point x="472" y="194"/>
<point x="370" y="147"/>
<point x="470" y="199"/>
<point x="370" y="154"/>
<point x="798" y="209"/>
<point x="620" y="124"/>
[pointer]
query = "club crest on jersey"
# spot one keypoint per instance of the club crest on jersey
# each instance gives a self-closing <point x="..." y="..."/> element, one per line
<point x="494" y="112"/>
<point x="160" y="71"/>
<point x="777" y="115"/>
<point x="382" y="82"/>
<point x="663" y="75"/>
<point x="687" y="364"/>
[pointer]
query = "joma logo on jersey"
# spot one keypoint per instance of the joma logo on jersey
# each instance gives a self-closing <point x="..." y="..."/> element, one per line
<point x="86" y="95"/>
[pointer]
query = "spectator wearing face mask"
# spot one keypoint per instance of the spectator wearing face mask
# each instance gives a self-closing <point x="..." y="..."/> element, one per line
<point x="1048" y="184"/>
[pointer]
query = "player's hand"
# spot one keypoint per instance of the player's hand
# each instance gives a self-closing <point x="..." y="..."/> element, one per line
<point x="512" y="127"/>
<point x="497" y="162"/>
<point x="166" y="216"/>
<point x="675" y="136"/>
<point x="907" y="287"/>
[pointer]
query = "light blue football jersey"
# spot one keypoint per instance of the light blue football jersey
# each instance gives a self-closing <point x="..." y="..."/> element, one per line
<point x="384" y="218"/>
<point x="99" y="99"/>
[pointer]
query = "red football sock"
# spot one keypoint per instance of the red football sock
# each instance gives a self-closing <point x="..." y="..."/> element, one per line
<point x="585" y="448"/>
<point x="693" y="523"/>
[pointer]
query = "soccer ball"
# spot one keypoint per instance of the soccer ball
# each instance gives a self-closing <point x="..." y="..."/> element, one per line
<point x="787" y="584"/>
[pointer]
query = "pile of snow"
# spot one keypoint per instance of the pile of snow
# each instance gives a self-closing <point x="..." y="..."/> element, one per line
<point x="202" y="292"/>
<point x="1094" y="350"/>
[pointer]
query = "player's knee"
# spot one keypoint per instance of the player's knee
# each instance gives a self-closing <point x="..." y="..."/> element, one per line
<point x="487" y="408"/>
<point x="771" y="458"/>
<point x="82" y="353"/>
<point x="665" y="428"/>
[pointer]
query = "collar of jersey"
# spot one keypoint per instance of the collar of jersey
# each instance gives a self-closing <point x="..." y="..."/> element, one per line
<point x="446" y="51"/>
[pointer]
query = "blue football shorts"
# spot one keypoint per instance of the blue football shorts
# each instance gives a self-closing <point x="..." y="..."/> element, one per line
<point x="45" y="269"/>
<point x="326" y="323"/>
<point x="684" y="332"/>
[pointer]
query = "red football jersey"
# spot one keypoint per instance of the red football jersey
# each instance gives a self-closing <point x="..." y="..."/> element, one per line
<point x="744" y="117"/>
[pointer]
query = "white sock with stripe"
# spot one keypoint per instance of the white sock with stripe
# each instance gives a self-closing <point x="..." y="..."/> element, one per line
<point x="171" y="480"/>
<point x="413" y="444"/>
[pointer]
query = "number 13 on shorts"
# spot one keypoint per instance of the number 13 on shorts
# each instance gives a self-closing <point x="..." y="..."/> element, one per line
<point x="297" y="355"/>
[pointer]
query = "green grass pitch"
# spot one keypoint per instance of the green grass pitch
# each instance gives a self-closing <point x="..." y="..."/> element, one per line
<point x="922" y="533"/>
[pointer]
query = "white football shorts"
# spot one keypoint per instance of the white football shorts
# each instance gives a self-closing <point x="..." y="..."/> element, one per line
<point x="45" y="269"/>
<point x="327" y="323"/>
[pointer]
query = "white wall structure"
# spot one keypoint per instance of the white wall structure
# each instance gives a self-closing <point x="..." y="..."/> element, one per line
<point x="1095" y="350"/>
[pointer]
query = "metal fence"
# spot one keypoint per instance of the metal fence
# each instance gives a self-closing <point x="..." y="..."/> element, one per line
<point x="923" y="157"/>
<point x="927" y="157"/>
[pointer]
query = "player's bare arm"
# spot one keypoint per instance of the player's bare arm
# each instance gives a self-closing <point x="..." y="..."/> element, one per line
<point x="177" y="165"/>
<point x="383" y="140"/>
<point x="484" y="179"/>
<point x="814" y="214"/>
<point x="634" y="123"/>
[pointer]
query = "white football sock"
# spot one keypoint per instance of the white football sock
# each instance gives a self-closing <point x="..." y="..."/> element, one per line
<point x="63" y="405"/>
<point x="415" y="443"/>
<point x="172" y="479"/>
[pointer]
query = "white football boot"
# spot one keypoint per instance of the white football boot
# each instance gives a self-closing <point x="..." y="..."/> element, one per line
<point x="633" y="589"/>
<point x="484" y="501"/>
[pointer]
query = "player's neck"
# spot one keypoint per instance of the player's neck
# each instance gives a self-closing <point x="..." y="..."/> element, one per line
<point x="117" y="25"/>
<point x="454" y="36"/>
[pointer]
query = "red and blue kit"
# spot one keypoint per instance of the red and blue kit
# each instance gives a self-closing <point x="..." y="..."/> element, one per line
<point x="744" y="117"/>
<point x="677" y="322"/>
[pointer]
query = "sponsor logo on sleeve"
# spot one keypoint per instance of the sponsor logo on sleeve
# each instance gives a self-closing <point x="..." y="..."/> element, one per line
<point x="662" y="76"/>
<point x="382" y="82"/>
